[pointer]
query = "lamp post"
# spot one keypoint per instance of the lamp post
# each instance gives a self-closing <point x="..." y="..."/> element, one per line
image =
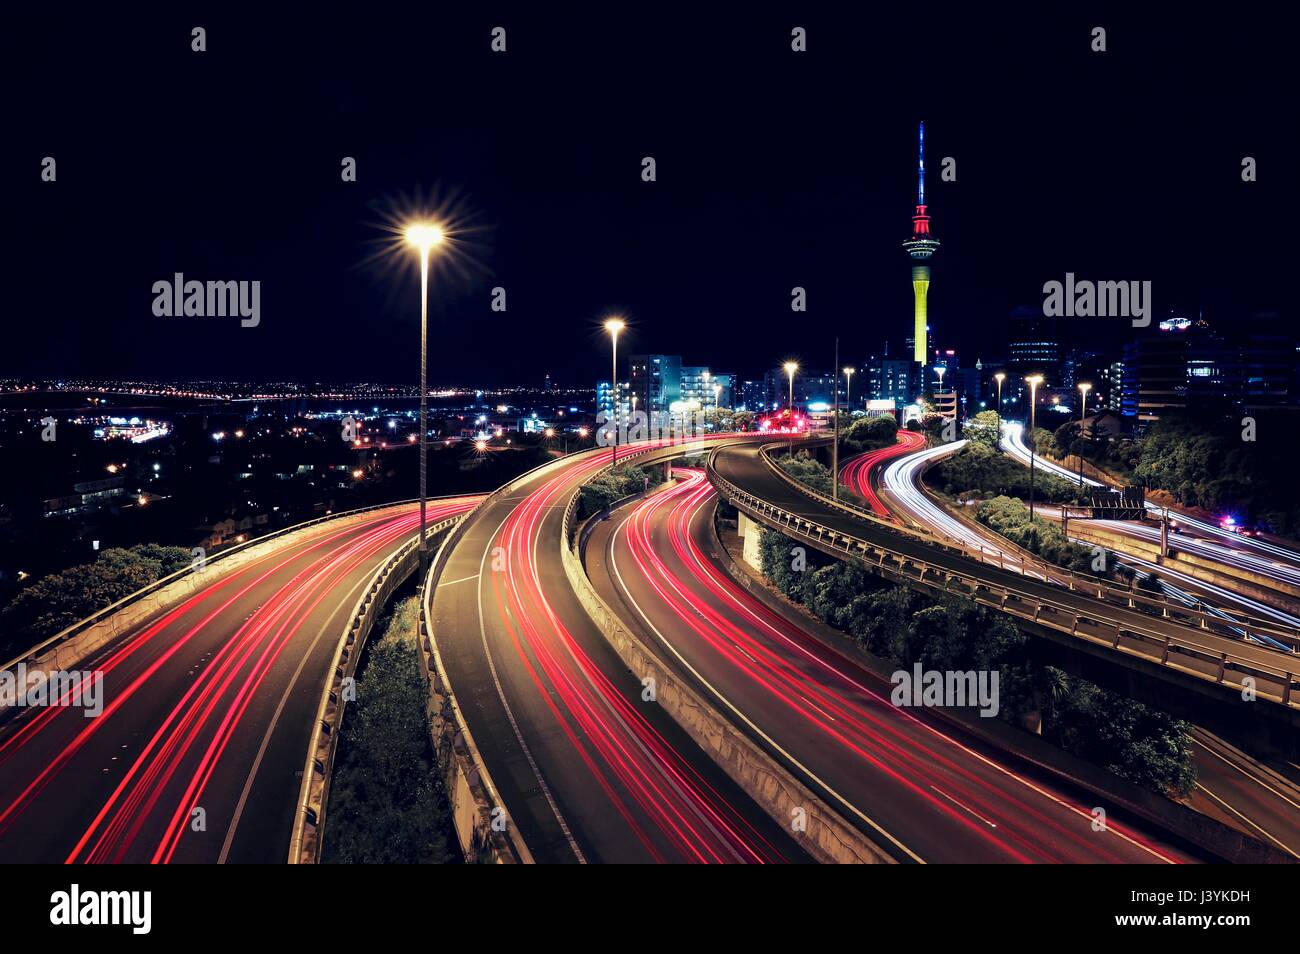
<point x="614" y="326"/>
<point x="848" y="389"/>
<point x="790" y="368"/>
<point x="717" y="396"/>
<point x="835" y="438"/>
<point x="424" y="236"/>
<point x="1084" y="388"/>
<point x="704" y="404"/>
<point x="999" y="377"/>
<point x="1034" y="380"/>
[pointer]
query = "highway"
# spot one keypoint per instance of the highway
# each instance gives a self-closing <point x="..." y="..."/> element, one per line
<point x="1122" y="628"/>
<point x="921" y="789"/>
<point x="859" y="473"/>
<point x="1231" y="786"/>
<point x="208" y="709"/>
<point x="1246" y="552"/>
<point x="588" y="770"/>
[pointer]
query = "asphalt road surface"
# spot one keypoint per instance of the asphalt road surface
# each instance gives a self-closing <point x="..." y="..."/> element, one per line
<point x="208" y="709"/>
<point x="588" y="769"/>
<point x="919" y="788"/>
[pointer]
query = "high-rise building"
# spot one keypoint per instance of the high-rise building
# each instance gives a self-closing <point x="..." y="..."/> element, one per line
<point x="1267" y="365"/>
<point x="656" y="380"/>
<point x="752" y="396"/>
<point x="813" y="390"/>
<point x="1033" y="347"/>
<point x="920" y="247"/>
<point x="1155" y="376"/>
<point x="705" y="388"/>
<point x="603" y="397"/>
<point x="890" y="379"/>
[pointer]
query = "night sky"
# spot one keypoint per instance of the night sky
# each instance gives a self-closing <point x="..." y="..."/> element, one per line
<point x="775" y="169"/>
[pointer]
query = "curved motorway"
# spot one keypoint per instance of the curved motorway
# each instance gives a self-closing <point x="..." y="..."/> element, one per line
<point x="921" y="789"/>
<point x="589" y="770"/>
<point x="208" y="709"/>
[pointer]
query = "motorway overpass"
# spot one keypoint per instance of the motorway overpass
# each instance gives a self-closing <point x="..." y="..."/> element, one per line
<point x="923" y="789"/>
<point x="1184" y="662"/>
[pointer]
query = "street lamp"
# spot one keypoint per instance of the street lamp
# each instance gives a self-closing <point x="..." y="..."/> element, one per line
<point x="939" y="370"/>
<point x="614" y="326"/>
<point x="1084" y="388"/>
<point x="424" y="237"/>
<point x="790" y="368"/>
<point x="848" y="389"/>
<point x="717" y="396"/>
<point x="1034" y="380"/>
<point x="999" y="377"/>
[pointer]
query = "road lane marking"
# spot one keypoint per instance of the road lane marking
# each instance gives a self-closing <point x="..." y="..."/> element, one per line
<point x="613" y="561"/>
<point x="463" y="579"/>
<point x="926" y="726"/>
<point x="349" y="600"/>
<point x="966" y="807"/>
<point x="501" y="694"/>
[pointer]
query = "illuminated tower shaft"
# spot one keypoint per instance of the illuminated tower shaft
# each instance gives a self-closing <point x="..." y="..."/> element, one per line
<point x="920" y="321"/>
<point x="920" y="247"/>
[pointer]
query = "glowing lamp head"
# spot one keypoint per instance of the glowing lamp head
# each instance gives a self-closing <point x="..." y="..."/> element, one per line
<point x="790" y="367"/>
<point x="614" y="325"/>
<point x="1085" y="387"/>
<point x="423" y="235"/>
<point x="999" y="377"/>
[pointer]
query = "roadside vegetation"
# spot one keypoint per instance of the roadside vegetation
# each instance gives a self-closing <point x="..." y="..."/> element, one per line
<point x="807" y="469"/>
<point x="386" y="801"/>
<point x="867" y="434"/>
<point x="1010" y="518"/>
<point x="977" y="470"/>
<point x="1132" y="740"/>
<point x="611" y="486"/>
<point x="55" y="602"/>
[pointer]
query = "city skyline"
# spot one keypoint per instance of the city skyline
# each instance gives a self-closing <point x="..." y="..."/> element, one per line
<point x="1150" y="189"/>
<point x="666" y="436"/>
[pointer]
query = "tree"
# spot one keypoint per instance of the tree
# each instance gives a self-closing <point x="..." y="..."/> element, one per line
<point x="55" y="602"/>
<point x="983" y="429"/>
<point x="869" y="433"/>
<point x="809" y="470"/>
<point x="386" y="805"/>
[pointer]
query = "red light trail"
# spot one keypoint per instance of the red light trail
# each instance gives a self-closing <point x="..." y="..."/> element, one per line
<point x="838" y="709"/>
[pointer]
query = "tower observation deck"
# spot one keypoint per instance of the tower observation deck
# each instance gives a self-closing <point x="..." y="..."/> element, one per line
<point x="920" y="247"/>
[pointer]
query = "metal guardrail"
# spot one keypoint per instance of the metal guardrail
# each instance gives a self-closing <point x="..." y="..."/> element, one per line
<point x="306" y="842"/>
<point x="1130" y="639"/>
<point x="102" y="614"/>
<point x="1231" y="625"/>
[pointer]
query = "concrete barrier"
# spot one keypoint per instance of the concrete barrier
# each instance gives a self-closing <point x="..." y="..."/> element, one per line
<point x="829" y="837"/>
<point x="307" y="838"/>
<point x="69" y="648"/>
<point x="476" y="803"/>
<point x="1183" y="823"/>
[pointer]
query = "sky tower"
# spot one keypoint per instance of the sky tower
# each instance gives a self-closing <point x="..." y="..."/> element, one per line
<point x="920" y="247"/>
